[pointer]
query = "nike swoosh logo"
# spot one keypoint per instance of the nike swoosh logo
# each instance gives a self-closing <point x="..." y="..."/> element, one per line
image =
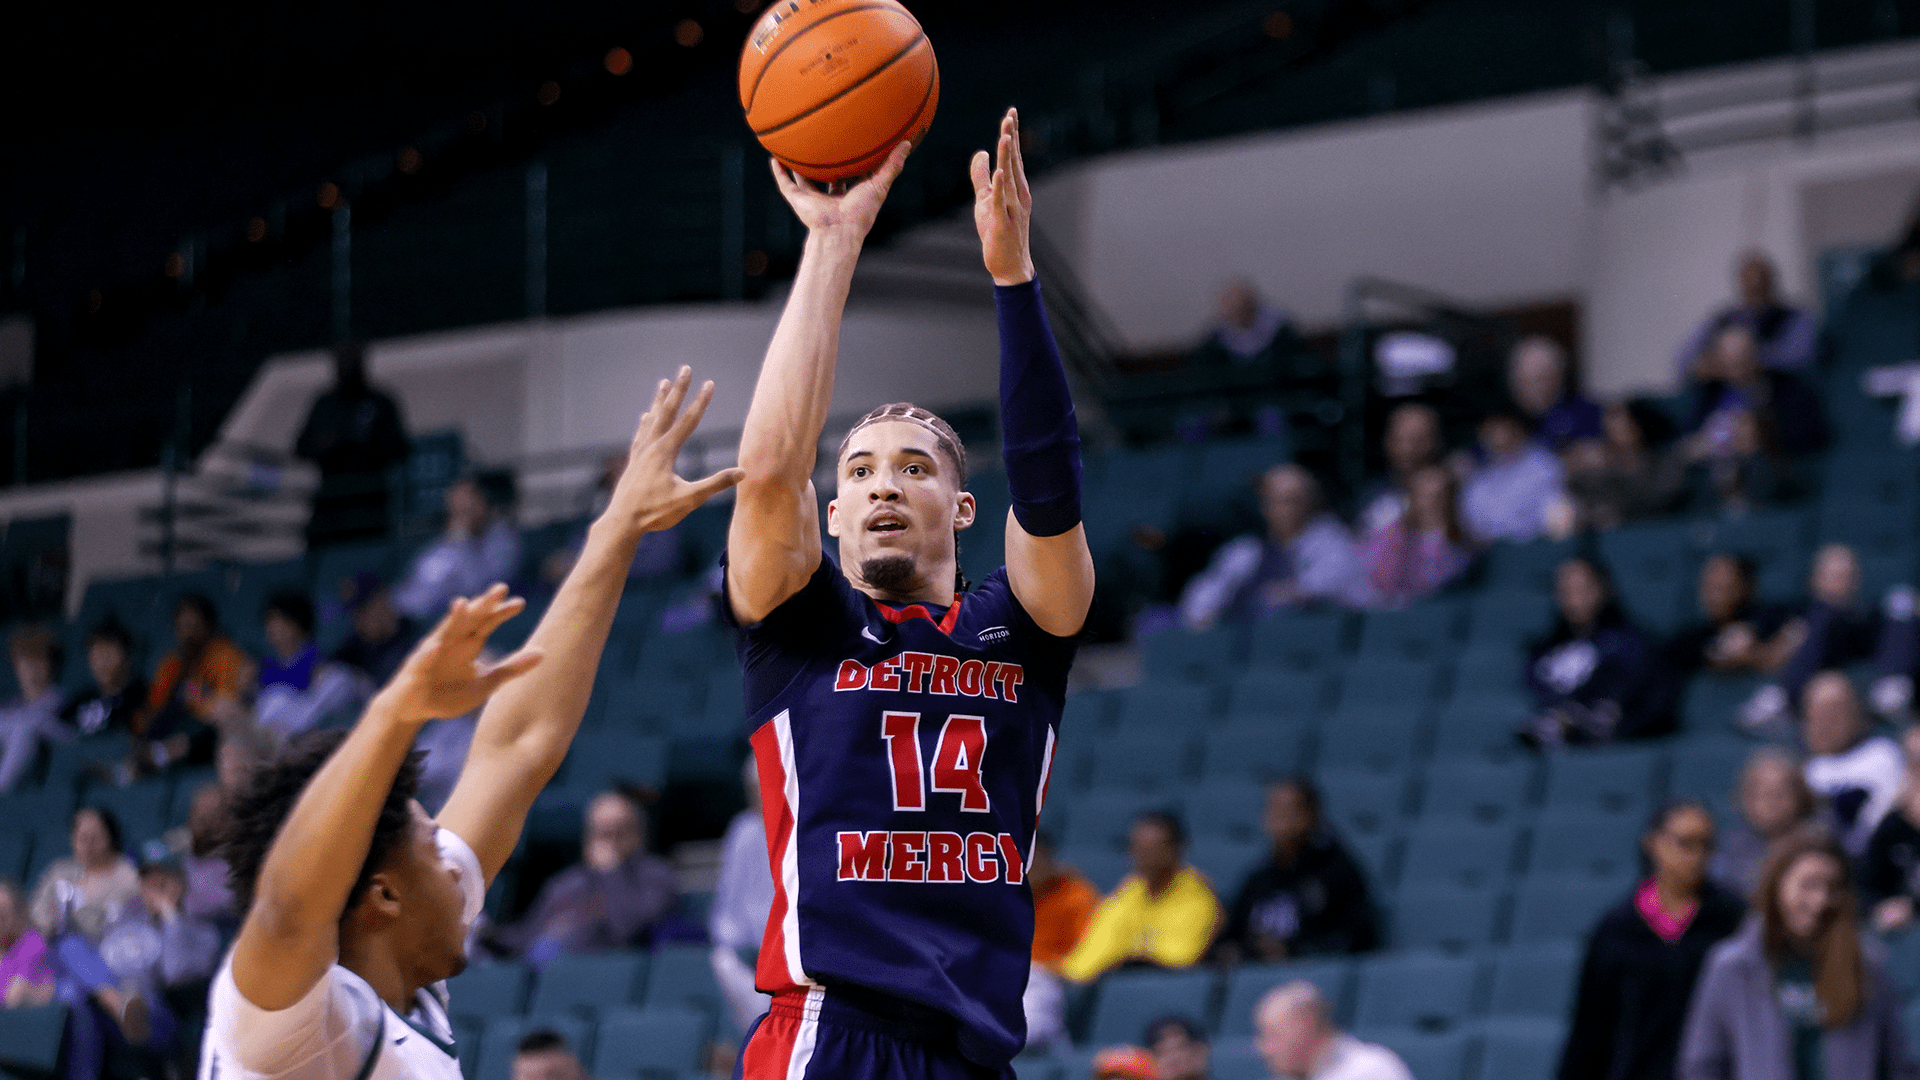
<point x="399" y="1040"/>
<point x="867" y="632"/>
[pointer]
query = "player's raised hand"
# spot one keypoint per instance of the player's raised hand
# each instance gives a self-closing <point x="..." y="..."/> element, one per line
<point x="1003" y="206"/>
<point x="650" y="496"/>
<point x="444" y="676"/>
<point x="851" y="209"/>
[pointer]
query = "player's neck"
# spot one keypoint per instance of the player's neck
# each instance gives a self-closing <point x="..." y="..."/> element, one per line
<point x="936" y="587"/>
<point x="373" y="960"/>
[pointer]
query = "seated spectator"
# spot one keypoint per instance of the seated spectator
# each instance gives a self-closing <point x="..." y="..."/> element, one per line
<point x="1735" y="633"/>
<point x="742" y="898"/>
<point x="1628" y="474"/>
<point x="1774" y="801"/>
<point x="1246" y="329"/>
<point x="1857" y="774"/>
<point x="1180" y="1048"/>
<point x="1644" y="955"/>
<point x="208" y="896"/>
<point x="1425" y="548"/>
<point x="1296" y="1035"/>
<point x="1537" y="381"/>
<point x="658" y="556"/>
<point x="1306" y="556"/>
<point x="1786" y="337"/>
<point x="33" y="717"/>
<point x="88" y="891"/>
<point x="1310" y="898"/>
<point x="1517" y="485"/>
<point x="381" y="637"/>
<point x="1063" y="903"/>
<point x="1890" y="870"/>
<point x="1833" y="629"/>
<point x="1746" y="427"/>
<point x="117" y="693"/>
<point x="1797" y="993"/>
<point x="1164" y="913"/>
<point x="26" y="972"/>
<point x="543" y="1054"/>
<point x="1125" y="1063"/>
<point x="480" y="547"/>
<point x="610" y="900"/>
<point x="196" y="691"/>
<point x="298" y="691"/>
<point x="1412" y="443"/>
<point x="1594" y="677"/>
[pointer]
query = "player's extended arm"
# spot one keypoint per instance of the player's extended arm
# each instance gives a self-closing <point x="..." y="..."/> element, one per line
<point x="773" y="544"/>
<point x="291" y="935"/>
<point x="1048" y="563"/>
<point x="524" y="732"/>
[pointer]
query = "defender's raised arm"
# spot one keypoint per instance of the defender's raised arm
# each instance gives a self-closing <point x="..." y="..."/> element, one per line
<point x="774" y="543"/>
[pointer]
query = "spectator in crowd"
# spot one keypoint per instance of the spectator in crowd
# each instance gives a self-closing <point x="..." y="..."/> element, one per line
<point x="196" y="691"/>
<point x="1774" y="801"/>
<point x="354" y="435"/>
<point x="26" y="971"/>
<point x="1831" y="630"/>
<point x="658" y="556"/>
<point x="1644" y="956"/>
<point x="479" y="548"/>
<point x="1857" y="774"/>
<point x="741" y="900"/>
<point x="1786" y="337"/>
<point x="1424" y="549"/>
<point x="1125" y="1063"/>
<point x="1747" y="425"/>
<point x="1797" y="993"/>
<point x="543" y="1054"/>
<point x="610" y="900"/>
<point x="1537" y="381"/>
<point x="1063" y="903"/>
<point x="33" y="717"/>
<point x="1412" y="443"/>
<point x="1307" y="556"/>
<point x="1626" y="475"/>
<point x="297" y="690"/>
<point x="1180" y="1048"/>
<point x="381" y="637"/>
<point x="1890" y="870"/>
<point x="91" y="889"/>
<point x="117" y="693"/>
<point x="1518" y="484"/>
<point x="1594" y="676"/>
<point x="1309" y="898"/>
<point x="1163" y="914"/>
<point x="1296" y="1035"/>
<point x="208" y="896"/>
<point x="1246" y="327"/>
<point x="1735" y="633"/>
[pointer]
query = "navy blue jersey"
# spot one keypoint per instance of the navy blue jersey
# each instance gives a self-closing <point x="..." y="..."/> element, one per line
<point x="903" y="757"/>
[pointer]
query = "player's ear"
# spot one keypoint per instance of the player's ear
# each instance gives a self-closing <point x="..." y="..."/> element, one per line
<point x="964" y="511"/>
<point x="382" y="898"/>
<point x="833" y="517"/>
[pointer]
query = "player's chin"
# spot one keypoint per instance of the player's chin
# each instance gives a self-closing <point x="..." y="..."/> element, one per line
<point x="456" y="960"/>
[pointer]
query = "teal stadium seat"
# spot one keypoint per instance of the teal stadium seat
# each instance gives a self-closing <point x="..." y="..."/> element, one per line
<point x="1521" y="1049"/>
<point x="1187" y="656"/>
<point x="1102" y="864"/>
<point x="1624" y="780"/>
<point x="1038" y="1068"/>
<point x="30" y="1038"/>
<point x="655" y="1043"/>
<point x="1509" y="617"/>
<point x="1248" y="983"/>
<point x="1271" y="694"/>
<point x="1711" y="701"/>
<point x="140" y="806"/>
<point x="1561" y="908"/>
<point x="1104" y="817"/>
<point x="1476" y="789"/>
<point x="1157" y="706"/>
<point x="1130" y="1000"/>
<point x="1381" y="742"/>
<point x="1253" y="751"/>
<point x="1237" y="1063"/>
<point x="1149" y="760"/>
<point x="600" y="759"/>
<point x="1452" y="918"/>
<point x="682" y="976"/>
<point x="1527" y="567"/>
<point x="1591" y="846"/>
<point x="1362" y="803"/>
<point x="1422" y="990"/>
<point x="1707" y="768"/>
<point x="1459" y="852"/>
<point x="1227" y="809"/>
<point x="1407" y="685"/>
<point x="1652" y="569"/>
<point x="1087" y="711"/>
<point x="585" y="984"/>
<point x="1423" y="633"/>
<point x="485" y="991"/>
<point x="16" y="850"/>
<point x="1491" y="677"/>
<point x="1429" y="1055"/>
<point x="1297" y="640"/>
<point x="1225" y="862"/>
<point x="1535" y="981"/>
<point x="1482" y="730"/>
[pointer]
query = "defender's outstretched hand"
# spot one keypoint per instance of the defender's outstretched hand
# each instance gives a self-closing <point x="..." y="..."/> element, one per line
<point x="853" y="209"/>
<point x="443" y="676"/>
<point x="650" y="496"/>
<point x="1003" y="206"/>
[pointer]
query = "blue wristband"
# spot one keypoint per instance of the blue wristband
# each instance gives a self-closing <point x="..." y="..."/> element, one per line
<point x="1040" y="438"/>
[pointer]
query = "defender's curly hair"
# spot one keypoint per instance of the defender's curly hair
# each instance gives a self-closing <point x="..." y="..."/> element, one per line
<point x="255" y="816"/>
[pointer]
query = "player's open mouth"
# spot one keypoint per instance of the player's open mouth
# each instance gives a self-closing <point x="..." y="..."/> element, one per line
<point x="887" y="525"/>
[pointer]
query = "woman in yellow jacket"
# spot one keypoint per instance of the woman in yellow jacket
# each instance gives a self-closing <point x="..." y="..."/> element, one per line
<point x="1164" y="913"/>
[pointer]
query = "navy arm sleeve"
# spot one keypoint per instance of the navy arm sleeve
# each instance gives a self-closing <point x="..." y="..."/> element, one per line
<point x="1040" y="435"/>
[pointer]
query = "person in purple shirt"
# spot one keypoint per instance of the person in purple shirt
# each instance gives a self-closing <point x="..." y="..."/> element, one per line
<point x="1537" y="382"/>
<point x="610" y="900"/>
<point x="1788" y="336"/>
<point x="26" y="974"/>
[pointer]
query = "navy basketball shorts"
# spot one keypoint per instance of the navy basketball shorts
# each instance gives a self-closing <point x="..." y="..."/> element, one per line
<point x="822" y="1034"/>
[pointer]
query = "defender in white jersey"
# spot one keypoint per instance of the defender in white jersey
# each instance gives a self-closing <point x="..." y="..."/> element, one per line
<point x="358" y="903"/>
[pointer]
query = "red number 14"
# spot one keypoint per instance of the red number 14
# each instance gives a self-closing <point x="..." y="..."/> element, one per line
<point x="956" y="761"/>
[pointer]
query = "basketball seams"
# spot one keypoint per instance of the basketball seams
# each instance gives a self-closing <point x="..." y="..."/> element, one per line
<point x="933" y="86"/>
<point x="878" y="70"/>
<point x="767" y="61"/>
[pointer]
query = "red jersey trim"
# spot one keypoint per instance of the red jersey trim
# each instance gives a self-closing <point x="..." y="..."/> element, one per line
<point x="919" y="611"/>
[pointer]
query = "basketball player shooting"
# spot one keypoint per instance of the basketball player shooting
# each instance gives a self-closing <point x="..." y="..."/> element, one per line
<point x="903" y="728"/>
<point x="358" y="903"/>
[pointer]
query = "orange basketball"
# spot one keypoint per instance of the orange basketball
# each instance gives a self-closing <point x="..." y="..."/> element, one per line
<point x="831" y="86"/>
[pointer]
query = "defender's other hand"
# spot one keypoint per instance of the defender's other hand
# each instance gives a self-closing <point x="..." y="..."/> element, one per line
<point x="1003" y="207"/>
<point x="650" y="496"/>
<point x="852" y="210"/>
<point x="443" y="676"/>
